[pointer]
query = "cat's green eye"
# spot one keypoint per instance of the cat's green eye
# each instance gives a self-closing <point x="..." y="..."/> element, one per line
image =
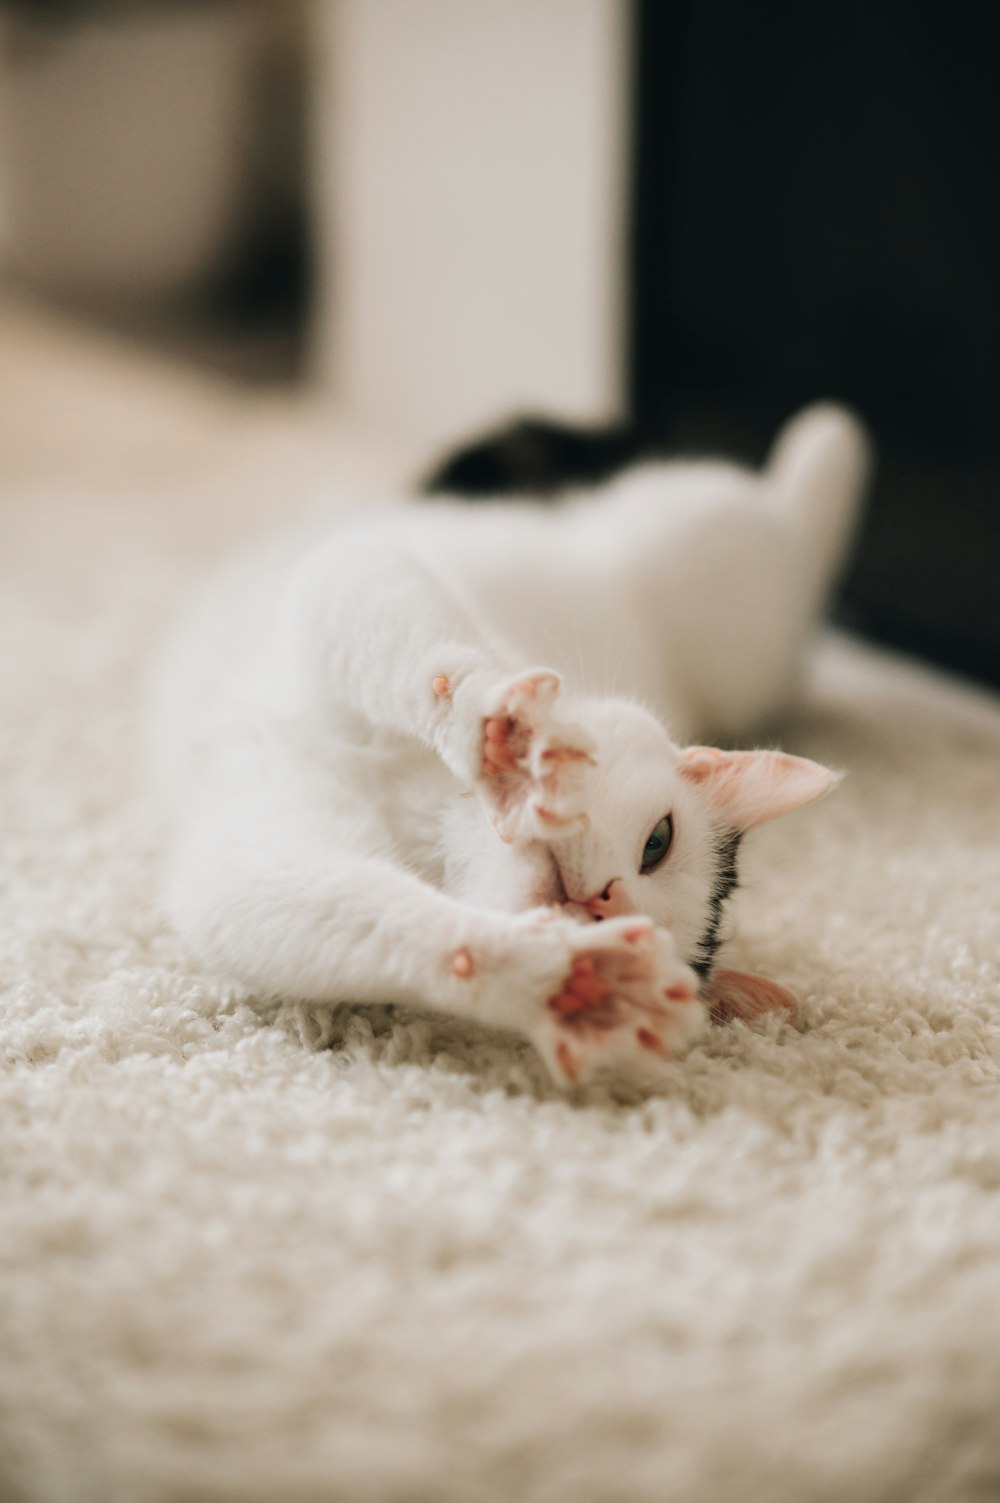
<point x="658" y="844"/>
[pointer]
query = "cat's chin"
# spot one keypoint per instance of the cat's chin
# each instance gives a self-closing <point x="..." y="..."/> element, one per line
<point x="546" y="894"/>
<point x="546" y="889"/>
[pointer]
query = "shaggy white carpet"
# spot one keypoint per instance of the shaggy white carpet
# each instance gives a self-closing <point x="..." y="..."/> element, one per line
<point x="238" y="1266"/>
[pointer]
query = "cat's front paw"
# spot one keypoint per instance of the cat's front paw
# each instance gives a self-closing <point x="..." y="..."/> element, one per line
<point x="531" y="767"/>
<point x="625" y="1001"/>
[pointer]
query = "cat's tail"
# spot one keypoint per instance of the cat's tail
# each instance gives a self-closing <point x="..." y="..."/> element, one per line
<point x="819" y="468"/>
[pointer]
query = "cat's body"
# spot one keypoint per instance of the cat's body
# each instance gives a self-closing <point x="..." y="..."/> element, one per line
<point x="346" y="719"/>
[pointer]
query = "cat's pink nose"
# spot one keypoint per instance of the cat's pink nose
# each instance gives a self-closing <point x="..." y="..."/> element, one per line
<point x="611" y="902"/>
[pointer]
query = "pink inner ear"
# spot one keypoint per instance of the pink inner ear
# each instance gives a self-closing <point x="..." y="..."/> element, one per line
<point x="737" y="994"/>
<point x="749" y="787"/>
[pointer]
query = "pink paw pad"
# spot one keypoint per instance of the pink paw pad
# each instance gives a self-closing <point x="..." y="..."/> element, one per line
<point x="501" y="750"/>
<point x="568" y="1062"/>
<point x="679" y="993"/>
<point x="567" y="754"/>
<point x="584" y="997"/>
<point x="462" y="963"/>
<point x="637" y="933"/>
<point x="441" y="687"/>
<point x="649" y="1040"/>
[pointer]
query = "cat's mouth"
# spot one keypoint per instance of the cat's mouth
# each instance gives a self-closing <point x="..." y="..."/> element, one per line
<point x="549" y="891"/>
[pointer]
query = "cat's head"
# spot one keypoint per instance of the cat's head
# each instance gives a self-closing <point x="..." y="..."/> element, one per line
<point x="662" y="832"/>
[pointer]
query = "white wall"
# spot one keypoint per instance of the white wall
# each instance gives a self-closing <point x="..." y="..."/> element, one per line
<point x="470" y="160"/>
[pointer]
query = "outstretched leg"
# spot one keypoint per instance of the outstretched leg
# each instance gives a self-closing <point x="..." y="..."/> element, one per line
<point x="388" y="641"/>
<point x="313" y="923"/>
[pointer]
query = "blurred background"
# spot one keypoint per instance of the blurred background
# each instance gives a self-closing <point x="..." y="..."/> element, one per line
<point x="429" y="215"/>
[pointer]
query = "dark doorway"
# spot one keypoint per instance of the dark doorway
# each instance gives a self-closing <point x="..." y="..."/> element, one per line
<point x="817" y="214"/>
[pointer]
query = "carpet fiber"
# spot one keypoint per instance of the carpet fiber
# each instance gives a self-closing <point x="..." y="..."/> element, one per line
<point x="372" y="1256"/>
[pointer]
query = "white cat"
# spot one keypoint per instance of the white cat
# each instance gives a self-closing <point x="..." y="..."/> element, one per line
<point x="375" y="795"/>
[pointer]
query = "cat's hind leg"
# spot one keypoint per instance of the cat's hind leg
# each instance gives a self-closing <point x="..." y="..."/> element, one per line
<point x="806" y="502"/>
<point x="815" y="479"/>
<point x="731" y="570"/>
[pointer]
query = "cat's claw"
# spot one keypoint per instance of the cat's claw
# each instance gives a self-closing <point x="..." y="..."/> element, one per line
<point x="625" y="1001"/>
<point x="532" y="768"/>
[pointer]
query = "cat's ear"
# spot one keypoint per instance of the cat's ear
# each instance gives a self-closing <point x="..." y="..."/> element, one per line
<point x="737" y="994"/>
<point x="749" y="787"/>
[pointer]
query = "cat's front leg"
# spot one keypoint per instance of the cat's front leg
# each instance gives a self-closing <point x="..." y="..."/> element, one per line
<point x="291" y="915"/>
<point x="386" y="637"/>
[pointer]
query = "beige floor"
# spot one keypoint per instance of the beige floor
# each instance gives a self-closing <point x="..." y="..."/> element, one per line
<point x="237" y="1267"/>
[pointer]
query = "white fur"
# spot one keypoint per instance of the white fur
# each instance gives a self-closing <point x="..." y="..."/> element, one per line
<point x="331" y="820"/>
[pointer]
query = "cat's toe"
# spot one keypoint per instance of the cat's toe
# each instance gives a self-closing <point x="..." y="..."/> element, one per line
<point x="532" y="693"/>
